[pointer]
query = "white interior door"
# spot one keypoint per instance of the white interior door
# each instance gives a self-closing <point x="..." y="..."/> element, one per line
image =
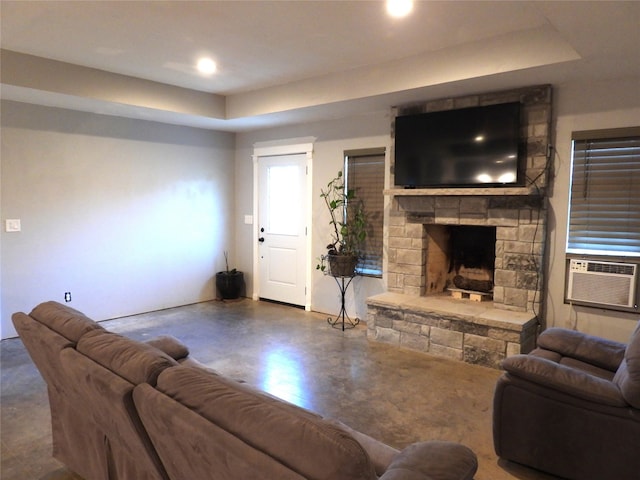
<point x="282" y="243"/>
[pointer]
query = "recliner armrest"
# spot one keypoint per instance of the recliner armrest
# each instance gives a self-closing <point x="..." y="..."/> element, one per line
<point x="576" y="383"/>
<point x="170" y="345"/>
<point x="433" y="460"/>
<point x="600" y="352"/>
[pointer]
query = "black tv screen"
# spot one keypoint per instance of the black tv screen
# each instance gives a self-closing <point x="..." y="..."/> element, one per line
<point x="469" y="147"/>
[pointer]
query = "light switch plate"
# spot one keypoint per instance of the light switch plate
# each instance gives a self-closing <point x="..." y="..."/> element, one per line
<point x="12" y="225"/>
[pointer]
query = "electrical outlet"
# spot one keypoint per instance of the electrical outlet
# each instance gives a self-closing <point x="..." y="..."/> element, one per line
<point x="67" y="296"/>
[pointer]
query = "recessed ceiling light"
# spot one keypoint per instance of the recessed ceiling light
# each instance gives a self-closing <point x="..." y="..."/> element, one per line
<point x="399" y="8"/>
<point x="206" y="66"/>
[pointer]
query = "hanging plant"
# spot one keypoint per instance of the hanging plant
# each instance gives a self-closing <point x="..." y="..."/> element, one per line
<point x="348" y="228"/>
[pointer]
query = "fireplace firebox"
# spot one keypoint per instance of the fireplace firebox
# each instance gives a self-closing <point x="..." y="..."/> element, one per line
<point x="460" y="257"/>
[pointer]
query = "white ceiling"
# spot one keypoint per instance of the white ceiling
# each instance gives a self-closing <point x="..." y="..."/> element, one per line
<point x="292" y="61"/>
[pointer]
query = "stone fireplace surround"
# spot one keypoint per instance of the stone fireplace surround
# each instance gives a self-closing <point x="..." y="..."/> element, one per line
<point x="411" y="313"/>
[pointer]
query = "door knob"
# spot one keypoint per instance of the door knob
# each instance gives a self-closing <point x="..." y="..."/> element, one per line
<point x="261" y="239"/>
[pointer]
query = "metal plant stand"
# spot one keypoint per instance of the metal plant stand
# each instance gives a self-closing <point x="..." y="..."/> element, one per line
<point x="343" y="320"/>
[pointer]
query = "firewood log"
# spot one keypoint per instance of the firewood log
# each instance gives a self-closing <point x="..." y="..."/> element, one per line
<point x="484" y="286"/>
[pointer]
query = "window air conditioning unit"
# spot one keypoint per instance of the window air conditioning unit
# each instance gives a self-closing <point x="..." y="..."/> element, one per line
<point x="602" y="283"/>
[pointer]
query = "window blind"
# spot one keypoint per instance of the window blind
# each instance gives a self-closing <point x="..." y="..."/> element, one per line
<point x="604" y="215"/>
<point x="365" y="176"/>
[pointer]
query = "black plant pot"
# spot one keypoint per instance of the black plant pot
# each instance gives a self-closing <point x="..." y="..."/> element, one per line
<point x="229" y="284"/>
<point x="342" y="265"/>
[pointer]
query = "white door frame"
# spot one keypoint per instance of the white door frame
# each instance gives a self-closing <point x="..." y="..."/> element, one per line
<point x="269" y="150"/>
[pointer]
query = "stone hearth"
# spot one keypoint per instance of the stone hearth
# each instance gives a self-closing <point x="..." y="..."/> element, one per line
<point x="473" y="332"/>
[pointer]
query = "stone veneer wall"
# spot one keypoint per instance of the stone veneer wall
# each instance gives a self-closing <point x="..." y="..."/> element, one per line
<point x="474" y="332"/>
<point x="520" y="234"/>
<point x="519" y="215"/>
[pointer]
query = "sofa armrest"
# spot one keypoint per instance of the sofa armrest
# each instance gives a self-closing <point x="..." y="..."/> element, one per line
<point x="381" y="454"/>
<point x="433" y="461"/>
<point x="565" y="379"/>
<point x="597" y="351"/>
<point x="169" y="345"/>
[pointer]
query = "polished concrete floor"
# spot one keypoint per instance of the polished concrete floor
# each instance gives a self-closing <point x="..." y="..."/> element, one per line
<point x="395" y="395"/>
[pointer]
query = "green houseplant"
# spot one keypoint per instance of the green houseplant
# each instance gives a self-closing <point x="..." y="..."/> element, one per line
<point x="348" y="229"/>
<point x="229" y="282"/>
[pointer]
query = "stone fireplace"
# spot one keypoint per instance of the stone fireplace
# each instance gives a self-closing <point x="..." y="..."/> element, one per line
<point x="420" y="225"/>
<point x="489" y="240"/>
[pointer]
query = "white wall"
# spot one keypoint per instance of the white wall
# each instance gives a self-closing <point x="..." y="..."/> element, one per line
<point x="129" y="216"/>
<point x="332" y="139"/>
<point x="133" y="216"/>
<point x="577" y="107"/>
<point x="588" y="106"/>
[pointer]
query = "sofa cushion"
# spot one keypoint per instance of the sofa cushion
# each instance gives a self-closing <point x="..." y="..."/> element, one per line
<point x="572" y="363"/>
<point x="191" y="447"/>
<point x="44" y="345"/>
<point x="170" y="345"/>
<point x="64" y="320"/>
<point x="134" y="361"/>
<point x="297" y="438"/>
<point x="628" y="375"/>
<point x="574" y="382"/>
<point x="600" y="352"/>
<point x="380" y="454"/>
<point x="433" y="461"/>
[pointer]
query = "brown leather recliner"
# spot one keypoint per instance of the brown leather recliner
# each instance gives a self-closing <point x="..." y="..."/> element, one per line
<point x="571" y="407"/>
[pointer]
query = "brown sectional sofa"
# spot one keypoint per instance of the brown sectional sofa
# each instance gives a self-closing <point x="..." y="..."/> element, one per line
<point x="122" y="409"/>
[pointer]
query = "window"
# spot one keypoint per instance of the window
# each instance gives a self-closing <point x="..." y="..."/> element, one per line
<point x="604" y="216"/>
<point x="364" y="174"/>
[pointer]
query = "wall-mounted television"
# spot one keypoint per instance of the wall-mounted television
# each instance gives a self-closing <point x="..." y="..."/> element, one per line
<point x="469" y="147"/>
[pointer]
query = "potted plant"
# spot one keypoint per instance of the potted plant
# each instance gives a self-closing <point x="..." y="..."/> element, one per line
<point x="229" y="282"/>
<point x="348" y="224"/>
